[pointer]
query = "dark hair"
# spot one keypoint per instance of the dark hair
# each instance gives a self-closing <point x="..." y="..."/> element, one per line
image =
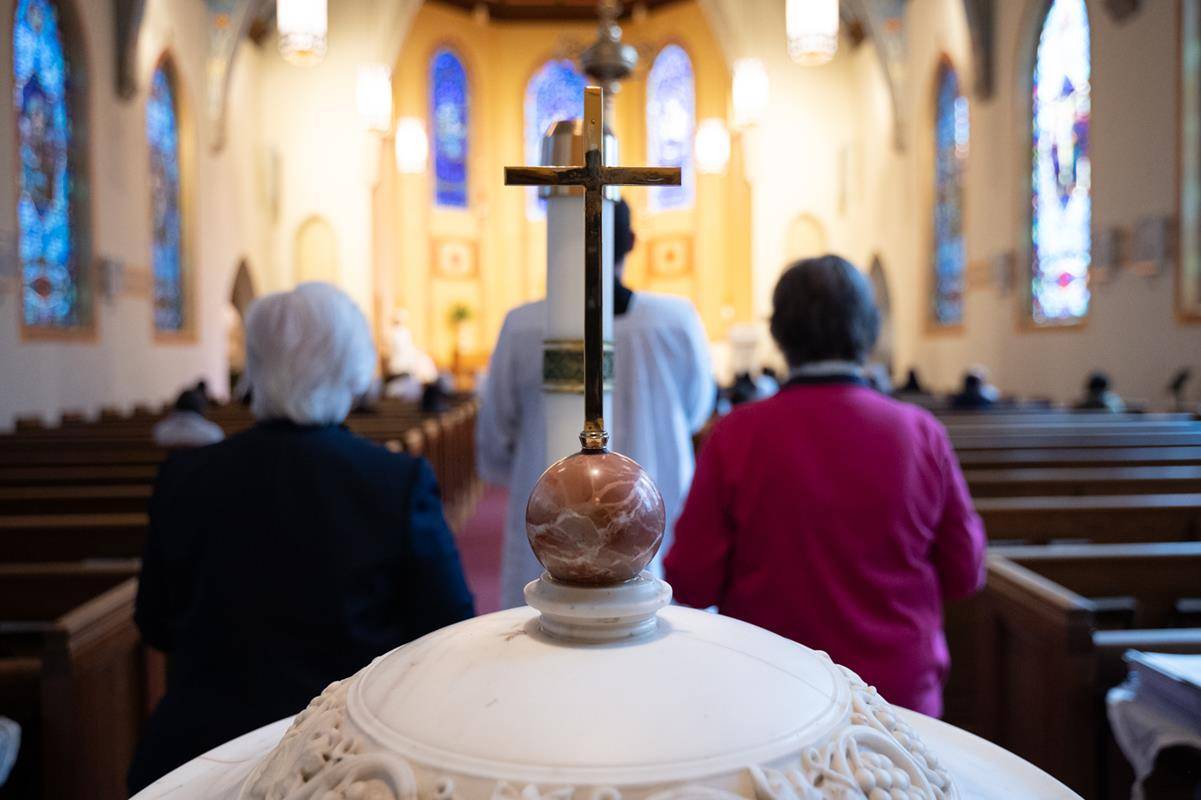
<point x="191" y="400"/>
<point x="823" y="310"/>
<point x="623" y="233"/>
<point x="972" y="381"/>
<point x="1098" y="382"/>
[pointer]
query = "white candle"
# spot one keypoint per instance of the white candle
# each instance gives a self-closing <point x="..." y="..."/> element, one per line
<point x="565" y="312"/>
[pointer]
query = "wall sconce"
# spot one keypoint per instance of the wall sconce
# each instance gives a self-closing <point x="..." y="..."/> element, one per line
<point x="752" y="92"/>
<point x="303" y="27"/>
<point x="412" y="146"/>
<point x="373" y="92"/>
<point x="712" y="146"/>
<point x="812" y="27"/>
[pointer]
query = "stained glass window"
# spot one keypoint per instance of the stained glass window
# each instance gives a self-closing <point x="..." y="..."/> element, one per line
<point x="162" y="136"/>
<point x="555" y="93"/>
<point x="52" y="264"/>
<point x="1061" y="202"/>
<point x="950" y="149"/>
<point x="670" y="121"/>
<point x="448" y="115"/>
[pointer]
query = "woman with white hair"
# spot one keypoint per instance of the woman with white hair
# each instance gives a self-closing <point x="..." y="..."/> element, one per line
<point x="289" y="555"/>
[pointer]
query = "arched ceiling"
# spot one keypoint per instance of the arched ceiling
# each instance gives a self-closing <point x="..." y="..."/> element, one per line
<point x="547" y="10"/>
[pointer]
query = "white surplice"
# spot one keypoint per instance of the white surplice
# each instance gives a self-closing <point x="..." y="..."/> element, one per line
<point x="663" y="392"/>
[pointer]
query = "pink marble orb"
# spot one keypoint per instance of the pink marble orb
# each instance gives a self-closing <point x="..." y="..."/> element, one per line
<point x="595" y="519"/>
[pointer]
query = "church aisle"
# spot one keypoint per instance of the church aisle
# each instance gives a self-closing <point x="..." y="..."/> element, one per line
<point x="479" y="540"/>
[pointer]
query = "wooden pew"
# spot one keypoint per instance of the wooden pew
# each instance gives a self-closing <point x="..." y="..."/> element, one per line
<point x="68" y="642"/>
<point x="19" y="500"/>
<point x="104" y="474"/>
<point x="1076" y="438"/>
<point x="1029" y="655"/>
<point x="71" y="537"/>
<point x="1102" y="518"/>
<point x="1067" y="481"/>
<point x="1080" y="457"/>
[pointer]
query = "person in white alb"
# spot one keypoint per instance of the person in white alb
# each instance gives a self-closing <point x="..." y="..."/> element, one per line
<point x="663" y="393"/>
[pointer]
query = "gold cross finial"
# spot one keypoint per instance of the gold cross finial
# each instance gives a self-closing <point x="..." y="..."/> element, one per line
<point x="594" y="176"/>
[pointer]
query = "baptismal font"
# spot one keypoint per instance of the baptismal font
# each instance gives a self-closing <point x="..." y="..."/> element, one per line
<point x="599" y="689"/>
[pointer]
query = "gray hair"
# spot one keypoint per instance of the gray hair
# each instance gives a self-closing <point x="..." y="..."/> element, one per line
<point x="823" y="309"/>
<point x="309" y="355"/>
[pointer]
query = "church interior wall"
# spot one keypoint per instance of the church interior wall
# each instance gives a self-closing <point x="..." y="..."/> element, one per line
<point x="121" y="361"/>
<point x="1132" y="331"/>
<point x="508" y="249"/>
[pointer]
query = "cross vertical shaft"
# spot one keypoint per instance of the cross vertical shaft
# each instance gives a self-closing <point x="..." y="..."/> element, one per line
<point x="593" y="436"/>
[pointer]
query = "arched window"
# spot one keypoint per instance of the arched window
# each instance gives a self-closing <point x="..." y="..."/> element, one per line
<point x="50" y="199"/>
<point x="670" y="122"/>
<point x="448" y="119"/>
<point x="555" y="93"/>
<point x="162" y="138"/>
<point x="950" y="149"/>
<point x="1061" y="203"/>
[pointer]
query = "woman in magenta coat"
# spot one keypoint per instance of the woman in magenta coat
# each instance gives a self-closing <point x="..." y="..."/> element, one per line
<point x="830" y="513"/>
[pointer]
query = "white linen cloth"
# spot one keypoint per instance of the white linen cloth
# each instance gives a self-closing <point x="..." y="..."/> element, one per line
<point x="663" y="392"/>
<point x="186" y="429"/>
<point x="10" y="745"/>
<point x="1143" y="727"/>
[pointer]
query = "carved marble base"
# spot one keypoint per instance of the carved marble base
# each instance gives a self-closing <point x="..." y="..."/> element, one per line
<point x="704" y="707"/>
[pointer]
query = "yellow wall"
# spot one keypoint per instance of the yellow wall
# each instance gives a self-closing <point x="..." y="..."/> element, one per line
<point x="510" y="250"/>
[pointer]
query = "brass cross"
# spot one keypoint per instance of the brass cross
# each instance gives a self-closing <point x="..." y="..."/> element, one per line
<point x="594" y="176"/>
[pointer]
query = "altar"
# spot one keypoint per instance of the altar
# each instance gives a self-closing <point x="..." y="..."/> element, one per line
<point x="600" y="689"/>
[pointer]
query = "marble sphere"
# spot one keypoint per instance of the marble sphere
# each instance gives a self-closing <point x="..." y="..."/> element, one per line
<point x="595" y="518"/>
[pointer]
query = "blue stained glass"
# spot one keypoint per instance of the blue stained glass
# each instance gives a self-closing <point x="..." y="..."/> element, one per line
<point x="1061" y="202"/>
<point x="448" y="112"/>
<point x="50" y="268"/>
<point x="670" y="122"/>
<point x="555" y="93"/>
<point x="162" y="136"/>
<point x="950" y="146"/>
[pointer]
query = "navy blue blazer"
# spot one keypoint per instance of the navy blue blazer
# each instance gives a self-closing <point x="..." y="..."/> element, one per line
<point x="279" y="560"/>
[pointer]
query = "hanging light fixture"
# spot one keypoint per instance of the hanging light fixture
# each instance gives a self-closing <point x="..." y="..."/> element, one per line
<point x="412" y="146"/>
<point x="812" y="31"/>
<point x="303" y="25"/>
<point x="752" y="91"/>
<point x="373" y="92"/>
<point x="712" y="146"/>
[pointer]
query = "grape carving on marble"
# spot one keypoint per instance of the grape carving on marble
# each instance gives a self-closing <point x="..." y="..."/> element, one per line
<point x="318" y="759"/>
<point x="875" y="756"/>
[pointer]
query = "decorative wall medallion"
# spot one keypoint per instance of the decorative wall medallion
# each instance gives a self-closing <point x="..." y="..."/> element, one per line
<point x="1109" y="252"/>
<point x="1005" y="270"/>
<point x="978" y="275"/>
<point x="671" y="257"/>
<point x="1152" y="245"/>
<point x="1122" y="10"/>
<point x="563" y="366"/>
<point x="455" y="259"/>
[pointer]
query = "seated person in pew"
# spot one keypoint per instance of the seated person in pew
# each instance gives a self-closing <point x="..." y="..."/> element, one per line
<point x="290" y="555"/>
<point x="185" y="425"/>
<point x="1099" y="397"/>
<point x="832" y="514"/>
<point x="976" y="393"/>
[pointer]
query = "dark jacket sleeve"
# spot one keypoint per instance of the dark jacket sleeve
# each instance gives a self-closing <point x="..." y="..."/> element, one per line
<point x="435" y="592"/>
<point x="153" y="608"/>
